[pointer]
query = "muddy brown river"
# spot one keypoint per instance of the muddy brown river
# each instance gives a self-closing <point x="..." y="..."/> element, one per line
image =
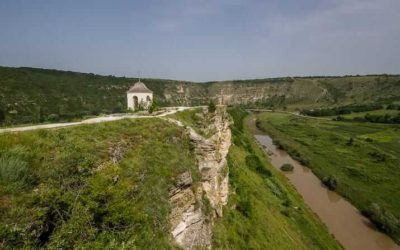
<point x="344" y="221"/>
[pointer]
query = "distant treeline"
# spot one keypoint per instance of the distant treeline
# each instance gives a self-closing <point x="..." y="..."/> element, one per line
<point x="31" y="95"/>
<point x="386" y="118"/>
<point x="343" y="110"/>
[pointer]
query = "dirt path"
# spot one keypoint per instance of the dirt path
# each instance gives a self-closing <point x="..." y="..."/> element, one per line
<point x="109" y="118"/>
<point x="290" y="113"/>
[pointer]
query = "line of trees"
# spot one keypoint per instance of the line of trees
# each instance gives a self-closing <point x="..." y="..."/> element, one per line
<point x="342" y="110"/>
<point x="386" y="118"/>
<point x="380" y="118"/>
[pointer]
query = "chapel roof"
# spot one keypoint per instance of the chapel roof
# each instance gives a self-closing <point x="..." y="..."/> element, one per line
<point x="139" y="87"/>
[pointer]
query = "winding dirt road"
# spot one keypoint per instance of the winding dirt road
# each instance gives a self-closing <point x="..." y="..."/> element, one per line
<point x="109" y="118"/>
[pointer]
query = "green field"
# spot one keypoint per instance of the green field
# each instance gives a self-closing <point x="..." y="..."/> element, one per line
<point x="363" y="158"/>
<point x="264" y="210"/>
<point x="100" y="186"/>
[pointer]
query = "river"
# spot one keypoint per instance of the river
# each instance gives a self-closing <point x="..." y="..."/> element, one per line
<point x="353" y="230"/>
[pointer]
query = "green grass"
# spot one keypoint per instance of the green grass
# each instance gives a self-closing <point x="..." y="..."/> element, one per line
<point x="264" y="210"/>
<point x="196" y="119"/>
<point x="363" y="157"/>
<point x="101" y="186"/>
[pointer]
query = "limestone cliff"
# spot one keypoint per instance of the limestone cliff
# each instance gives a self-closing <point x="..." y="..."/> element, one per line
<point x="288" y="91"/>
<point x="194" y="207"/>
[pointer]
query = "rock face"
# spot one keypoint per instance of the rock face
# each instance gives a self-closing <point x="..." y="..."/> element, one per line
<point x="287" y="91"/>
<point x="195" y="207"/>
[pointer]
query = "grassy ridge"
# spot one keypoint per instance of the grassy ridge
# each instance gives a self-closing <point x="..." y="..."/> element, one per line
<point x="30" y="95"/>
<point x="101" y="186"/>
<point x="361" y="159"/>
<point x="264" y="210"/>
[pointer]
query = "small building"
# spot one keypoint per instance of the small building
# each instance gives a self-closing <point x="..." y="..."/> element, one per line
<point x="139" y="97"/>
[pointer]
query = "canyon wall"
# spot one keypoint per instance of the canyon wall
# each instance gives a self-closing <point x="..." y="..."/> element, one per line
<point x="195" y="206"/>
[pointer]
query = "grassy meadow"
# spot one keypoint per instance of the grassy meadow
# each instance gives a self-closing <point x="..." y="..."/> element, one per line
<point x="264" y="210"/>
<point x="359" y="160"/>
<point x="99" y="186"/>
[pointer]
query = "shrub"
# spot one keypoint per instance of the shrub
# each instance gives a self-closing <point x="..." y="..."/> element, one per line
<point x="117" y="109"/>
<point x="287" y="167"/>
<point x="151" y="109"/>
<point x="377" y="157"/>
<point x="368" y="139"/>
<point x="253" y="162"/>
<point x="331" y="182"/>
<point x="285" y="212"/>
<point x="383" y="219"/>
<point x="350" y="142"/>
<point x="211" y="107"/>
<point x="338" y="118"/>
<point x="53" y="117"/>
<point x="244" y="207"/>
<point x="14" y="173"/>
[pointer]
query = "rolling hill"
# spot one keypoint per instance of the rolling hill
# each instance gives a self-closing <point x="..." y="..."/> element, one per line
<point x="31" y="95"/>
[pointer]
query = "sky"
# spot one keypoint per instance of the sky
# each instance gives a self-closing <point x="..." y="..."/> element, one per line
<point x="203" y="40"/>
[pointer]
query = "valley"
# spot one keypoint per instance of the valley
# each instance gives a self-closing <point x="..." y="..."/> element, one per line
<point x="344" y="221"/>
<point x="78" y="170"/>
<point x="108" y="185"/>
<point x="357" y="160"/>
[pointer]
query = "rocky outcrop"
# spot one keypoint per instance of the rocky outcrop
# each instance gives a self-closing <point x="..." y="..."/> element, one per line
<point x="194" y="207"/>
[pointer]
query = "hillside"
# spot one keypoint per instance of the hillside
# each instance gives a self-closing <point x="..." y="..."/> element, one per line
<point x="29" y="95"/>
<point x="102" y="186"/>
<point x="126" y="184"/>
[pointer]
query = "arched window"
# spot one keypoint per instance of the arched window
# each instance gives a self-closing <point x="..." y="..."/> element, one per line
<point x="135" y="103"/>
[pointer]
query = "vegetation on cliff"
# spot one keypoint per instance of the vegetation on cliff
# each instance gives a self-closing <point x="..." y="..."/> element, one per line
<point x="358" y="160"/>
<point x="264" y="210"/>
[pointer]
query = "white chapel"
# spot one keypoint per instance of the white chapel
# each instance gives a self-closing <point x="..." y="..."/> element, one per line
<point x="139" y="97"/>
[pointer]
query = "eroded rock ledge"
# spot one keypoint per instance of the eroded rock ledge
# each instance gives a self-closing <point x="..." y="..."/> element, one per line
<point x="194" y="207"/>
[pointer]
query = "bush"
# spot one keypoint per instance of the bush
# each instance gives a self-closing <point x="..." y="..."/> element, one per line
<point x="244" y="207"/>
<point x="117" y="109"/>
<point x="383" y="219"/>
<point x="350" y="142"/>
<point x="331" y="182"/>
<point x="377" y="157"/>
<point x="287" y="167"/>
<point x="211" y="107"/>
<point x="253" y="162"/>
<point x="53" y="117"/>
<point x="14" y="173"/>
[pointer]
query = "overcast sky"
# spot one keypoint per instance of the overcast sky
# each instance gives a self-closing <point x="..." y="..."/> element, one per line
<point x="203" y="40"/>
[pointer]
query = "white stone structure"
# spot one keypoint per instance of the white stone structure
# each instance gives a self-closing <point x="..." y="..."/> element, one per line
<point x="139" y="97"/>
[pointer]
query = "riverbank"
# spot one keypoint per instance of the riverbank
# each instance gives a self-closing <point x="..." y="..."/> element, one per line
<point x="343" y="220"/>
<point x="358" y="160"/>
<point x="264" y="210"/>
